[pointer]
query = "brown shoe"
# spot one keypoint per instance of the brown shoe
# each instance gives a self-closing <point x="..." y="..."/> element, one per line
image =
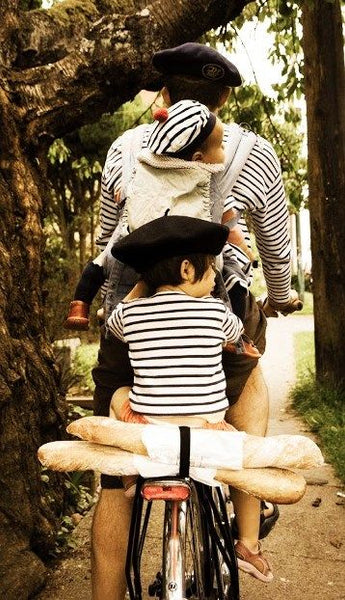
<point x="78" y="316"/>
<point x="253" y="563"/>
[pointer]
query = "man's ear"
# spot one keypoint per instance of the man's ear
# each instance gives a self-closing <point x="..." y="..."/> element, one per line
<point x="166" y="96"/>
<point x="224" y="97"/>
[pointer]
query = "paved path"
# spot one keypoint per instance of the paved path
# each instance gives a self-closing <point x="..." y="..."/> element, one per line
<point x="307" y="546"/>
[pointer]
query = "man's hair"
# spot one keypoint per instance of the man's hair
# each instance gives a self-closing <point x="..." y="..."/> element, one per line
<point x="168" y="270"/>
<point x="187" y="88"/>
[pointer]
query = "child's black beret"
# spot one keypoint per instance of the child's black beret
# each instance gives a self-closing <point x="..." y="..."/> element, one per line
<point x="169" y="236"/>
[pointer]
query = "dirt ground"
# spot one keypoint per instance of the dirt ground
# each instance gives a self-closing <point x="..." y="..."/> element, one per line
<point x="307" y="546"/>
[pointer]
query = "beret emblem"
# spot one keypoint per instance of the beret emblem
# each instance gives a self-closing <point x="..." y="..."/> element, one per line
<point x="212" y="71"/>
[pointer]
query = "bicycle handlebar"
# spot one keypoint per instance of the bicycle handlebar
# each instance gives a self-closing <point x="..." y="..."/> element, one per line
<point x="272" y="309"/>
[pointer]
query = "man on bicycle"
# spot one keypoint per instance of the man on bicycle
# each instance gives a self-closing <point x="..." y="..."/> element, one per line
<point x="193" y="71"/>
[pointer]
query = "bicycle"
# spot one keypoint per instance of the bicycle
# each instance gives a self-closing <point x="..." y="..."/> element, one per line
<point x="198" y="555"/>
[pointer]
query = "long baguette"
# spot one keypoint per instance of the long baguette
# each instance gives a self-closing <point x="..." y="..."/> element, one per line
<point x="274" y="485"/>
<point x="281" y="451"/>
<point x="86" y="456"/>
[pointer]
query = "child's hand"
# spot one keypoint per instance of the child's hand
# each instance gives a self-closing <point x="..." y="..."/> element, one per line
<point x="100" y="315"/>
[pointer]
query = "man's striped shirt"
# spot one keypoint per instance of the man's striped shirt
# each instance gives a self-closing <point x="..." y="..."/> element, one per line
<point x="175" y="348"/>
<point x="258" y="190"/>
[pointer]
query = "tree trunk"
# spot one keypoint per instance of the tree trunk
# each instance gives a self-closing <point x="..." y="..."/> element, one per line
<point x="31" y="409"/>
<point x="325" y="96"/>
<point x="100" y="54"/>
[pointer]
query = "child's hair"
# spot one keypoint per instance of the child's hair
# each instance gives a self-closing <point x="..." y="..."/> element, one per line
<point x="168" y="270"/>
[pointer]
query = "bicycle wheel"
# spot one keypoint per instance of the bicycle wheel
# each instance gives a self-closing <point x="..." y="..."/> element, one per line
<point x="224" y="569"/>
<point x="183" y="544"/>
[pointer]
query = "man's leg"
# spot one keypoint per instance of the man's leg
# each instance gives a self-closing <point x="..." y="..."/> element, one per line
<point x="112" y="515"/>
<point x="110" y="530"/>
<point x="250" y="414"/>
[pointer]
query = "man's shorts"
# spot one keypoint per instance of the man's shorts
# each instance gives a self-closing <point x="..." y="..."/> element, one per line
<point x="114" y="369"/>
<point x="237" y="367"/>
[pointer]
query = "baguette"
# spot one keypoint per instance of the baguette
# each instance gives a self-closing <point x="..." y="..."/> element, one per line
<point x="274" y="485"/>
<point x="281" y="451"/>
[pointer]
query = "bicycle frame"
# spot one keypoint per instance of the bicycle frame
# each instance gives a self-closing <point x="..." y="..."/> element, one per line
<point x="187" y="503"/>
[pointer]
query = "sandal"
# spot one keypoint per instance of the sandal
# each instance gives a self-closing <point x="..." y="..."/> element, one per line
<point x="253" y="563"/>
<point x="266" y="523"/>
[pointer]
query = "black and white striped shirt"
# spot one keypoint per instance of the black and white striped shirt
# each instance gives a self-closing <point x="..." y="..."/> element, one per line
<point x="175" y="348"/>
<point x="258" y="189"/>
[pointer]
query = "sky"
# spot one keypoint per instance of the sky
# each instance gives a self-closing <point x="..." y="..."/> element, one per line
<point x="251" y="56"/>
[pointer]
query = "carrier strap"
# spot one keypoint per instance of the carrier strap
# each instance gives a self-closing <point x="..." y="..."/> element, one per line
<point x="184" y="451"/>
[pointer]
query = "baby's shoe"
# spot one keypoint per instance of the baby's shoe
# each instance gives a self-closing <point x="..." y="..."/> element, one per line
<point x="78" y="316"/>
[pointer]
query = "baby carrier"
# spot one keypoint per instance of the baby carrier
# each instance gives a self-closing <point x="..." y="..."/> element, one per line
<point x="121" y="277"/>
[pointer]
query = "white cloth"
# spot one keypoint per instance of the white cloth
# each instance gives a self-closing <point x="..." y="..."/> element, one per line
<point x="148" y="468"/>
<point x="208" y="448"/>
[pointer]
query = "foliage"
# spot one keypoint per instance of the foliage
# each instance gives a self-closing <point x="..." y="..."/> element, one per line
<point x="68" y="377"/>
<point x="29" y="4"/>
<point x="79" y="496"/>
<point x="322" y="408"/>
<point x="84" y="360"/>
<point x="276" y="118"/>
<point x="78" y="499"/>
<point x="74" y="172"/>
<point x="308" y="305"/>
<point x="98" y="137"/>
<point x="59" y="276"/>
<point x="308" y="282"/>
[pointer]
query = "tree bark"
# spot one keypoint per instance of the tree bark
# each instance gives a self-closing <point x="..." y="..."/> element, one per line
<point x="325" y="96"/>
<point x="31" y="408"/>
<point x="98" y="52"/>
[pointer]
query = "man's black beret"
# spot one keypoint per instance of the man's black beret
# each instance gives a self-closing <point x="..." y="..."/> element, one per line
<point x="199" y="61"/>
<point x="166" y="237"/>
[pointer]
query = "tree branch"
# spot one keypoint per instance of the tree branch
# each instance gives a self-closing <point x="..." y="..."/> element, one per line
<point x="100" y="59"/>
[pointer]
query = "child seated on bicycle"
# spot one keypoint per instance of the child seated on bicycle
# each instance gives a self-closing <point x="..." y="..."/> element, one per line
<point x="172" y="176"/>
<point x="177" y="333"/>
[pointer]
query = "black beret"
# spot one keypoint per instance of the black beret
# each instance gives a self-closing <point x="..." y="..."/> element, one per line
<point x="169" y="236"/>
<point x="197" y="60"/>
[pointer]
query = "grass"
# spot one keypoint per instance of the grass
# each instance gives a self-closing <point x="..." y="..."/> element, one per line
<point x="307" y="304"/>
<point x="323" y="409"/>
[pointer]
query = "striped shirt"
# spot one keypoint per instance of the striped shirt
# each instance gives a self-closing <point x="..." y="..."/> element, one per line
<point x="175" y="348"/>
<point x="258" y="190"/>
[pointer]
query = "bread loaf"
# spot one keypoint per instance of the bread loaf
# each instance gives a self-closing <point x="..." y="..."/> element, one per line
<point x="274" y="485"/>
<point x="281" y="451"/>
